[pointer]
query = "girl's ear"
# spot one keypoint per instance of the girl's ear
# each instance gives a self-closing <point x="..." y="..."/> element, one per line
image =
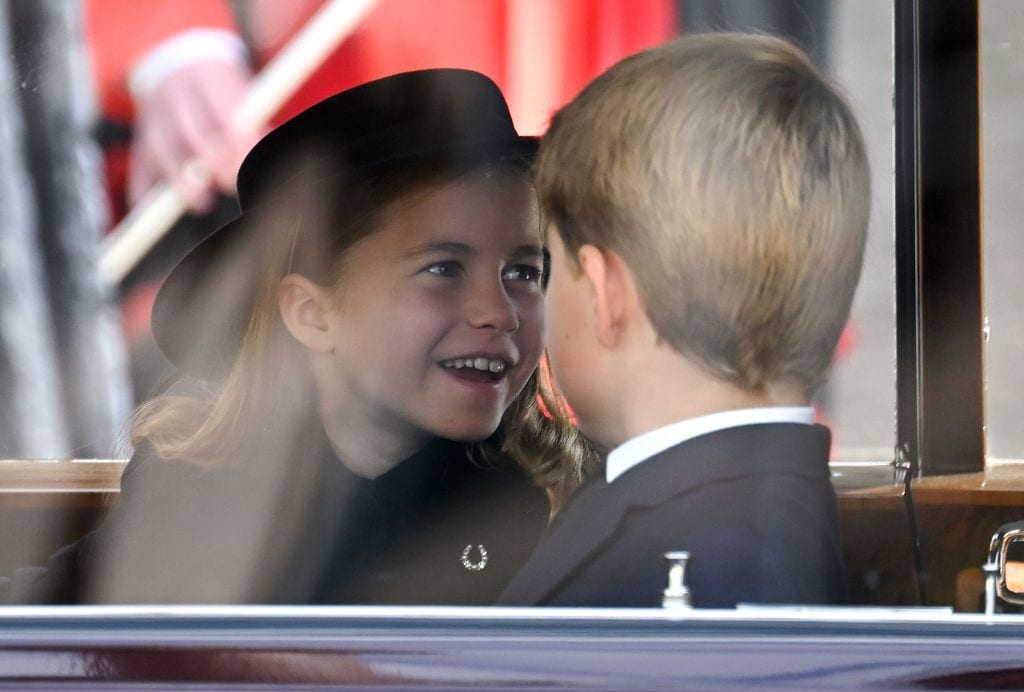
<point x="304" y="306"/>
<point x="615" y="294"/>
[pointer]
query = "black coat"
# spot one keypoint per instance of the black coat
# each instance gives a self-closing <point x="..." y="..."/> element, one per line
<point x="753" y="505"/>
<point x="314" y="533"/>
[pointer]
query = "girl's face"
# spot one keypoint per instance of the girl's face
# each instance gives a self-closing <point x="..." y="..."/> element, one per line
<point x="438" y="318"/>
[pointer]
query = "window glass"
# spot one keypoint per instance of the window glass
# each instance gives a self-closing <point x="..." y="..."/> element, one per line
<point x="77" y="354"/>
<point x="1002" y="83"/>
<point x="70" y="388"/>
<point x="861" y="396"/>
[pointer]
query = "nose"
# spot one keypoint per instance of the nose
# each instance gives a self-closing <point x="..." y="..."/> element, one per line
<point x="490" y="307"/>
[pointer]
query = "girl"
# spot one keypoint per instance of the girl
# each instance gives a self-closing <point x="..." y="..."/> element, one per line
<point x="374" y="320"/>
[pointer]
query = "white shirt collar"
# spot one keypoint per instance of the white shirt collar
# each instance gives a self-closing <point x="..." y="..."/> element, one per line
<point x="643" y="447"/>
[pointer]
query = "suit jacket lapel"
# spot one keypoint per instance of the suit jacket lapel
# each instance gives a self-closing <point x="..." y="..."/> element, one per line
<point x="596" y="511"/>
<point x="581" y="528"/>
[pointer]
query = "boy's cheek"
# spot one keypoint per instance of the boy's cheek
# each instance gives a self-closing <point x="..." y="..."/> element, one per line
<point x="571" y="346"/>
<point x="565" y="360"/>
<point x="570" y="380"/>
<point x="533" y="327"/>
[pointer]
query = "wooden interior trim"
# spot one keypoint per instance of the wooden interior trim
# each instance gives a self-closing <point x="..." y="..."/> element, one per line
<point x="879" y="491"/>
<point x="1001" y="484"/>
<point x="61" y="476"/>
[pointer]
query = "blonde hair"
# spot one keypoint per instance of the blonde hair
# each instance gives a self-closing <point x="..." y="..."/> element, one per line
<point x="269" y="390"/>
<point x="733" y="178"/>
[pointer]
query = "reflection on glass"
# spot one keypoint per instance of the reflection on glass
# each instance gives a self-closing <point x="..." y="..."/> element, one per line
<point x="66" y="366"/>
<point x="861" y="394"/>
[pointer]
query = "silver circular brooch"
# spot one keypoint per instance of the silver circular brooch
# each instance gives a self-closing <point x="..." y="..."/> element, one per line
<point x="479" y="564"/>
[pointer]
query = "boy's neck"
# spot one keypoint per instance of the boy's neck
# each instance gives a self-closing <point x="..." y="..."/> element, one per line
<point x="673" y="389"/>
<point x="707" y="398"/>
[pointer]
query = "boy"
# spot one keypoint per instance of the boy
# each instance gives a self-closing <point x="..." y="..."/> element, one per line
<point x="706" y="204"/>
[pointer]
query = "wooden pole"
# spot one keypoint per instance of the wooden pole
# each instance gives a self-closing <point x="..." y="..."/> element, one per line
<point x="154" y="215"/>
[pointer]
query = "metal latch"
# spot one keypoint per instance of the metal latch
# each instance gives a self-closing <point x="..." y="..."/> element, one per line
<point x="676" y="594"/>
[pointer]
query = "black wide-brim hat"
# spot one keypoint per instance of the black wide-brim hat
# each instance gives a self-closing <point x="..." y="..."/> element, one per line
<point x="439" y="116"/>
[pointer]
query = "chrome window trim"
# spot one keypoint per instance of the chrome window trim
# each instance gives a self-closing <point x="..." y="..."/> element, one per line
<point x="425" y="614"/>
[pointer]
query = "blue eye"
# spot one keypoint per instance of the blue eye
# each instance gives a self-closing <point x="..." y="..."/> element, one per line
<point x="523" y="272"/>
<point x="449" y="269"/>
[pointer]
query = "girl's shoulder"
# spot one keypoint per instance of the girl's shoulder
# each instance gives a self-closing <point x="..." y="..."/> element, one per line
<point x="152" y="482"/>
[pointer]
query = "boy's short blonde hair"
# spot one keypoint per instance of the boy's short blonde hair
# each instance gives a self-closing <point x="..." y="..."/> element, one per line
<point x="732" y="178"/>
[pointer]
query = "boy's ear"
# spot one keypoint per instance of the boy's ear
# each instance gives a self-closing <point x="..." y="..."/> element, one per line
<point x="303" y="306"/>
<point x="614" y="290"/>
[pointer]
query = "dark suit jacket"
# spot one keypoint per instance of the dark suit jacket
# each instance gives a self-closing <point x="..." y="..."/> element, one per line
<point x="301" y="530"/>
<point x="753" y="505"/>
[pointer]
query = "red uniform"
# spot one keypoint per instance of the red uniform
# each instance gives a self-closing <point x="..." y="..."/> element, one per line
<point x="561" y="45"/>
<point x="539" y="52"/>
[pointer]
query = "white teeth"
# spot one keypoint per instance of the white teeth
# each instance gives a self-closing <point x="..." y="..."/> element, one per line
<point x="480" y="363"/>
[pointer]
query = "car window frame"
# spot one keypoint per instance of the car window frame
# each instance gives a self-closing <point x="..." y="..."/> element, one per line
<point x="939" y="417"/>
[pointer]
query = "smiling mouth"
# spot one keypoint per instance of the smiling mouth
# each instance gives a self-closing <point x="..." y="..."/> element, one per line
<point x="476" y="367"/>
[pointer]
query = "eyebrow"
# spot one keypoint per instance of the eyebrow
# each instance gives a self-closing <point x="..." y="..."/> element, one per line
<point x="446" y="247"/>
<point x="528" y="251"/>
<point x="455" y="248"/>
